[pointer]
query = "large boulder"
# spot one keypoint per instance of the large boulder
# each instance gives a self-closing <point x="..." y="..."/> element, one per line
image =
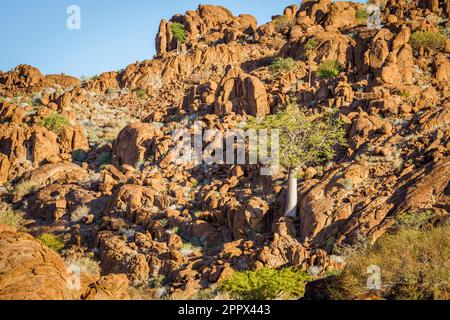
<point x="241" y="93"/>
<point x="31" y="271"/>
<point x="136" y="142"/>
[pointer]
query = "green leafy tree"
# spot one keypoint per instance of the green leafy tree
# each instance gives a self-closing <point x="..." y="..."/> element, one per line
<point x="329" y="69"/>
<point x="303" y="140"/>
<point x="179" y="32"/>
<point x="310" y="47"/>
<point x="281" y="65"/>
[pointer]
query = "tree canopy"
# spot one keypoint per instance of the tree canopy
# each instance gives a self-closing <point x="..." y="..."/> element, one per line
<point x="304" y="140"/>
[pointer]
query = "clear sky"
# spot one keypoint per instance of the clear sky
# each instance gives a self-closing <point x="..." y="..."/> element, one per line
<point x="113" y="34"/>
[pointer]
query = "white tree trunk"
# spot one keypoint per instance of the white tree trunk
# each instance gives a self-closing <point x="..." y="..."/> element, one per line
<point x="291" y="204"/>
<point x="178" y="47"/>
<point x="310" y="76"/>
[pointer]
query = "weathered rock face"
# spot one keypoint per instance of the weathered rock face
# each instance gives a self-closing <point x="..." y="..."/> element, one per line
<point x="110" y="287"/>
<point x="241" y="93"/>
<point x="213" y="24"/>
<point x="29" y="270"/>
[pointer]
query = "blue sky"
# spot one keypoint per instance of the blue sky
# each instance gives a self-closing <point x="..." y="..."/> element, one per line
<point x="114" y="33"/>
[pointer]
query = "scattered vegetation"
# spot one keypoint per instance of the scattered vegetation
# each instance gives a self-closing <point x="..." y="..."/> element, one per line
<point x="79" y="213"/>
<point x="281" y="23"/>
<point x="12" y="218"/>
<point x="157" y="282"/>
<point x="362" y="15"/>
<point x="413" y="263"/>
<point x="281" y="65"/>
<point x="25" y="188"/>
<point x="427" y="39"/>
<point x="104" y="158"/>
<point x="56" y="122"/>
<point x="347" y="184"/>
<point x="266" y="284"/>
<point x="416" y="221"/>
<point x="51" y="241"/>
<point x="88" y="264"/>
<point x="141" y="93"/>
<point x="79" y="155"/>
<point x="329" y="69"/>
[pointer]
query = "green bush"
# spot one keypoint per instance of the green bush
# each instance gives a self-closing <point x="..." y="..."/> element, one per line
<point x="51" y="241"/>
<point x="427" y="39"/>
<point x="281" y="23"/>
<point x="266" y="284"/>
<point x="329" y="69"/>
<point x="281" y="65"/>
<point x="362" y="15"/>
<point x="415" y="221"/>
<point x="104" y="158"/>
<point x="414" y="265"/>
<point x="12" y="218"/>
<point x="179" y="32"/>
<point x="141" y="94"/>
<point x="79" y="155"/>
<point x="56" y="122"/>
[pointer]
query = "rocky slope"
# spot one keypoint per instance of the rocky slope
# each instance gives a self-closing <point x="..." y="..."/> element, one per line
<point x="104" y="182"/>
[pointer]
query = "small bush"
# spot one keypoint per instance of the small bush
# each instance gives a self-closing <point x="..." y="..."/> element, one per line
<point x="104" y="158"/>
<point x="329" y="69"/>
<point x="87" y="264"/>
<point x="79" y="155"/>
<point x="12" y="218"/>
<point x="281" y="23"/>
<point x="362" y="15"/>
<point x="427" y="39"/>
<point x="413" y="263"/>
<point x="415" y="221"/>
<point x="51" y="241"/>
<point x="282" y="65"/>
<point x="55" y="122"/>
<point x="141" y="94"/>
<point x="347" y="184"/>
<point x="157" y="282"/>
<point x="266" y="284"/>
<point x="25" y="188"/>
<point x="79" y="213"/>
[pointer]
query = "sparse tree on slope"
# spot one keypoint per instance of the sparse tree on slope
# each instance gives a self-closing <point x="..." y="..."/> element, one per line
<point x="304" y="140"/>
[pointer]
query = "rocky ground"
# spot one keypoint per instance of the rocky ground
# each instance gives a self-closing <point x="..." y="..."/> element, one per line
<point x="104" y="182"/>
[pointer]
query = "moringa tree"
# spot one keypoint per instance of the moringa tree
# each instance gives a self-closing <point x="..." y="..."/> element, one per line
<point x="303" y="140"/>
<point x="179" y="33"/>
<point x="310" y="46"/>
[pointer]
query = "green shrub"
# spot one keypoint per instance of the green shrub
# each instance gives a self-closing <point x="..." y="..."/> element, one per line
<point x="414" y="266"/>
<point x="56" y="122"/>
<point x="266" y="284"/>
<point x="104" y="158"/>
<point x="51" y="241"/>
<point x="329" y="69"/>
<point x="79" y="155"/>
<point x="281" y="65"/>
<point x="362" y="15"/>
<point x="12" y="218"/>
<point x="179" y="32"/>
<point x="427" y="39"/>
<point x="415" y="221"/>
<point x="281" y="23"/>
<point x="141" y="94"/>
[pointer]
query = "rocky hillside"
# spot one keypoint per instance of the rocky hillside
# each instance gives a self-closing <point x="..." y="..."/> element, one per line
<point x="87" y="162"/>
